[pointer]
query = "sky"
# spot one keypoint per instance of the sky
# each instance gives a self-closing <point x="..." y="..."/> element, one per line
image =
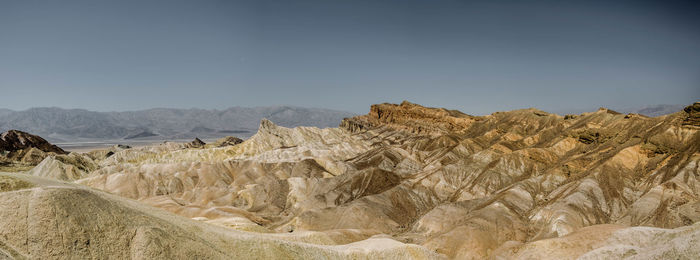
<point x="475" y="56"/>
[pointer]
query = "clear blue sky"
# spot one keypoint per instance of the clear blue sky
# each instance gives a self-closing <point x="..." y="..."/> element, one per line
<point x="475" y="56"/>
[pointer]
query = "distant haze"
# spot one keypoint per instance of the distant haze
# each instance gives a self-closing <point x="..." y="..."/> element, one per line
<point x="648" y="110"/>
<point x="75" y="125"/>
<point x="474" y="56"/>
<point x="80" y="125"/>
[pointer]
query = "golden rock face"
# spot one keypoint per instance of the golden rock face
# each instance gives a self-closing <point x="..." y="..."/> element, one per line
<point x="414" y="182"/>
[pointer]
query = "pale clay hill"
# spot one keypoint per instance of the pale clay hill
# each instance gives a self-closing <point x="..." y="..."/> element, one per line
<point x="403" y="181"/>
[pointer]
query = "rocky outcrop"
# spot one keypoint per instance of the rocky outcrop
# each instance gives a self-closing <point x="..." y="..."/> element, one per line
<point x="693" y="115"/>
<point x="15" y="140"/>
<point x="227" y="141"/>
<point x="410" y="117"/>
<point x="20" y="151"/>
<point x="196" y="143"/>
<point x="102" y="154"/>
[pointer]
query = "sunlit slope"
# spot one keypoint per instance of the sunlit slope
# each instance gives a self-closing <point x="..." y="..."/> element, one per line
<point x="41" y="218"/>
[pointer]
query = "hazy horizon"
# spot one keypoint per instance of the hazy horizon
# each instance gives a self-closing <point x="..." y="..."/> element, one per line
<point x="560" y="112"/>
<point x="178" y="108"/>
<point x="474" y="56"/>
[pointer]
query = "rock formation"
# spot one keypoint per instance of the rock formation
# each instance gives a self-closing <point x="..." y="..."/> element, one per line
<point x="403" y="181"/>
<point x="196" y="143"/>
<point x="14" y="140"/>
<point x="227" y="141"/>
<point x="20" y="150"/>
<point x="693" y="117"/>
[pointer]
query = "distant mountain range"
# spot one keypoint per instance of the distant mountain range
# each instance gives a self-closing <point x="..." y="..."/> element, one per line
<point x="654" y="111"/>
<point x="77" y="125"/>
<point x="650" y="110"/>
<point x="67" y="125"/>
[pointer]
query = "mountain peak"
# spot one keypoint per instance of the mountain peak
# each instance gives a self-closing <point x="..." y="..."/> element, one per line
<point x="406" y="103"/>
<point x="266" y="124"/>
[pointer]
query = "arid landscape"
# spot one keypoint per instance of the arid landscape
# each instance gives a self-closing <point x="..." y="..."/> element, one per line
<point x="380" y="129"/>
<point x="401" y="182"/>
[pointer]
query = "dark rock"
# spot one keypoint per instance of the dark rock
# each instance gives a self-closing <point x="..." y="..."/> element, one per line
<point x="693" y="115"/>
<point x="15" y="140"/>
<point x="196" y="143"/>
<point x="227" y="141"/>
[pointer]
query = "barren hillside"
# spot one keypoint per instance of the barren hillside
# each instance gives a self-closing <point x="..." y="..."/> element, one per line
<point x="403" y="181"/>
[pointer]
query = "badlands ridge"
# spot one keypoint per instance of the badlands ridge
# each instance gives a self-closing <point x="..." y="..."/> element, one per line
<point x="402" y="182"/>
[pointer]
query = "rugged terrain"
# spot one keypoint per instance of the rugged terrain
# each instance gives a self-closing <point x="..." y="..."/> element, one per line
<point x="403" y="181"/>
